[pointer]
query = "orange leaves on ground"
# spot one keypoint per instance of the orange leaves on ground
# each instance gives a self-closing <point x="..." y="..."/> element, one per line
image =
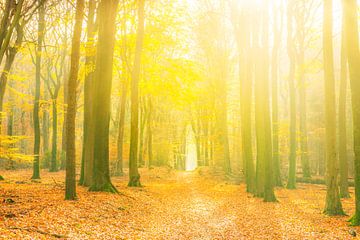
<point x="172" y="205"/>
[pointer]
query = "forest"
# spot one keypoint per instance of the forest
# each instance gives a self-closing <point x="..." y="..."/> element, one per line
<point x="179" y="119"/>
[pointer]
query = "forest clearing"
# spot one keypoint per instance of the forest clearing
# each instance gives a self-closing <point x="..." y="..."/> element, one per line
<point x="171" y="205"/>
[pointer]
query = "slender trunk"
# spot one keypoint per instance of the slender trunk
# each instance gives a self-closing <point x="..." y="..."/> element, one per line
<point x="121" y="127"/>
<point x="150" y="134"/>
<point x="303" y="114"/>
<point x="142" y="133"/>
<point x="3" y="80"/>
<point x="87" y="158"/>
<point x="10" y="122"/>
<point x="134" y="176"/>
<point x="12" y="51"/>
<point x="259" y="123"/>
<point x="246" y="122"/>
<point x="343" y="158"/>
<point x="292" y="92"/>
<point x="23" y="145"/>
<point x="41" y="33"/>
<point x="45" y="137"/>
<point x="275" y="101"/>
<point x="53" y="163"/>
<point x="65" y="91"/>
<point x="8" y="28"/>
<point x="352" y="49"/>
<point x="70" y="181"/>
<point x="269" y="195"/>
<point x="333" y="203"/>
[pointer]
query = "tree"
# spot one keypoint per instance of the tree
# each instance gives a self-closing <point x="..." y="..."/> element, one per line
<point x="53" y="82"/>
<point x="41" y="31"/>
<point x="291" y="184"/>
<point x="243" y="33"/>
<point x="87" y="160"/>
<point x="275" y="95"/>
<point x="343" y="158"/>
<point x="102" y="97"/>
<point x="353" y="55"/>
<point x="70" y="183"/>
<point x="134" y="176"/>
<point x="9" y="21"/>
<point x="269" y="195"/>
<point x="10" y="57"/>
<point x="301" y="15"/>
<point x="120" y="139"/>
<point x="333" y="203"/>
<point x="14" y="18"/>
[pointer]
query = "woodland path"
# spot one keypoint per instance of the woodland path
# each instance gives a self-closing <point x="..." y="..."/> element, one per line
<point x="171" y="205"/>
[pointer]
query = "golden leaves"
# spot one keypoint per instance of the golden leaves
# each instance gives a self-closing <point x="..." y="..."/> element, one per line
<point x="172" y="205"/>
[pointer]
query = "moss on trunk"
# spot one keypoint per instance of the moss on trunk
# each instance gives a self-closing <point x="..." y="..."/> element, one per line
<point x="134" y="181"/>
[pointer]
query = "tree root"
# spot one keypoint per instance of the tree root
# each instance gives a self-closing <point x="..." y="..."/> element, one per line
<point x="134" y="181"/>
<point x="107" y="187"/>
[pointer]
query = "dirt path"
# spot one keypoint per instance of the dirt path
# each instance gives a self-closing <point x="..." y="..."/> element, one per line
<point x="171" y="205"/>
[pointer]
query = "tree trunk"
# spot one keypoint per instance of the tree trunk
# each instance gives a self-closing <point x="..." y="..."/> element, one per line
<point x="102" y="97"/>
<point x="246" y="120"/>
<point x="53" y="162"/>
<point x="12" y="51"/>
<point x="4" y="78"/>
<point x="120" y="140"/>
<point x="7" y="28"/>
<point x="269" y="195"/>
<point x="87" y="159"/>
<point x="134" y="176"/>
<point x="45" y="137"/>
<point x="70" y="181"/>
<point x="143" y="118"/>
<point x="352" y="49"/>
<point x="275" y="101"/>
<point x="41" y="33"/>
<point x="150" y="133"/>
<point x="302" y="100"/>
<point x="292" y="92"/>
<point x="343" y="158"/>
<point x="333" y="203"/>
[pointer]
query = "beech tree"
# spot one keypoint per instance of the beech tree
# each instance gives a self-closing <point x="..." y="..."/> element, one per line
<point x="134" y="176"/>
<point x="87" y="159"/>
<point x="353" y="56"/>
<point x="291" y="184"/>
<point x="41" y="30"/>
<point x="102" y="98"/>
<point x="70" y="183"/>
<point x="333" y="204"/>
<point x="343" y="156"/>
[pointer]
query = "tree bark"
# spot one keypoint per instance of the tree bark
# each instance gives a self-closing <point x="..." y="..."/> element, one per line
<point x="120" y="140"/>
<point x="269" y="195"/>
<point x="291" y="184"/>
<point x="275" y="100"/>
<point x="107" y="11"/>
<point x="333" y="203"/>
<point x="53" y="163"/>
<point x="41" y="34"/>
<point x="70" y="181"/>
<point x="87" y="160"/>
<point x="343" y="158"/>
<point x="352" y="49"/>
<point x="134" y="176"/>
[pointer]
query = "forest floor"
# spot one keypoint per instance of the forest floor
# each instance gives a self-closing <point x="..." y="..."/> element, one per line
<point x="171" y="205"/>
